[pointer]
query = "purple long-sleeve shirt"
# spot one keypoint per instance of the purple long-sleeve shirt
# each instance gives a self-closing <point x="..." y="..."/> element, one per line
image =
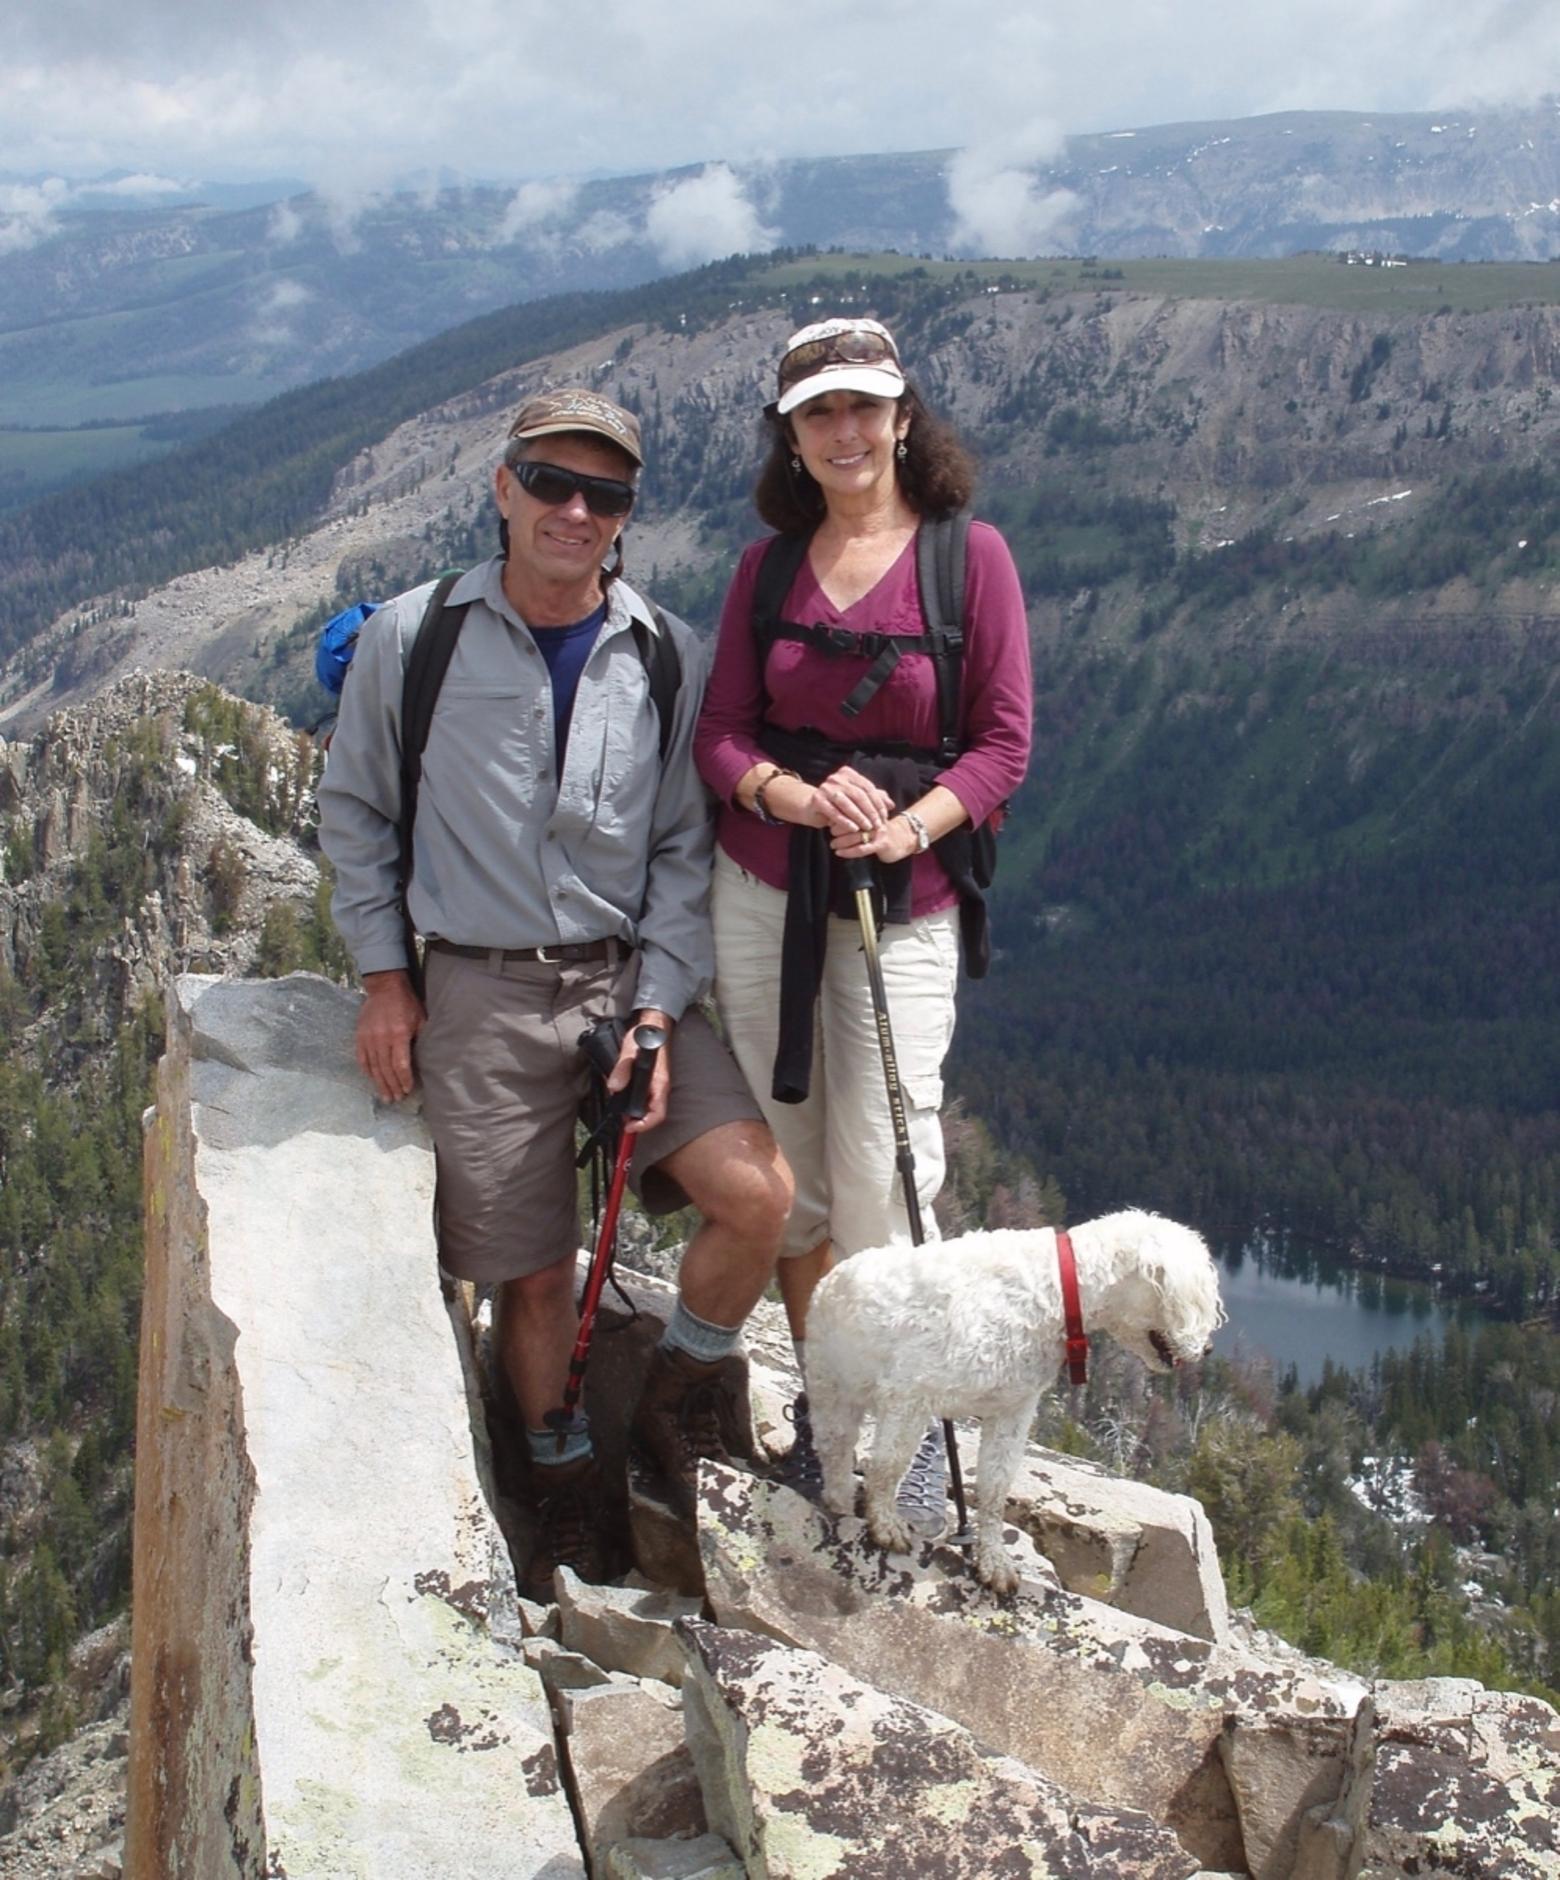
<point x="806" y="688"/>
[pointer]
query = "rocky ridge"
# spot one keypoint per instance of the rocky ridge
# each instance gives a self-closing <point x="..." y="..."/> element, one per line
<point x="788" y="1702"/>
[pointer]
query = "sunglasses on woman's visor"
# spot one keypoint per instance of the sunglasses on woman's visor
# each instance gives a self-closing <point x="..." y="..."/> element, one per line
<point x="839" y="349"/>
<point x="550" y="484"/>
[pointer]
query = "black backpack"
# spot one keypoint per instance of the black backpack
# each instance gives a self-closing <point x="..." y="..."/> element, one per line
<point x="939" y="565"/>
<point x="429" y="661"/>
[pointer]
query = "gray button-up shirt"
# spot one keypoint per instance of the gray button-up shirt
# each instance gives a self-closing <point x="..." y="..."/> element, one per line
<point x="507" y="853"/>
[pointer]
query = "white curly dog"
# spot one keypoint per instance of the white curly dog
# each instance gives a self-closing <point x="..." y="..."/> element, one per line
<point x="974" y="1327"/>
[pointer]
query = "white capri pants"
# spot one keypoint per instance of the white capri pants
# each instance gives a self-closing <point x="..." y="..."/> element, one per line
<point x="840" y="1141"/>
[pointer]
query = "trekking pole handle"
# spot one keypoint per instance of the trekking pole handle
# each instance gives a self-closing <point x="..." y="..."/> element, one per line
<point x="858" y="874"/>
<point x="649" y="1042"/>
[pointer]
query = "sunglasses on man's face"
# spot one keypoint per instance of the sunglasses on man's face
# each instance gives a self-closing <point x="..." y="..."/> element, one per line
<point x="551" y="484"/>
<point x="839" y="349"/>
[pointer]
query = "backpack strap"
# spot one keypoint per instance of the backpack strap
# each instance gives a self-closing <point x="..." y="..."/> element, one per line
<point x="781" y="563"/>
<point x="940" y="556"/>
<point x="663" y="668"/>
<point x="426" y="666"/>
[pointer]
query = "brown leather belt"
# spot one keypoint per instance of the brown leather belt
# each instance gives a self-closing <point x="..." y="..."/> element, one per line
<point x="566" y="953"/>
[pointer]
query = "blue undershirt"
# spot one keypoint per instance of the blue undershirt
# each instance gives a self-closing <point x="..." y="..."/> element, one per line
<point x="566" y="650"/>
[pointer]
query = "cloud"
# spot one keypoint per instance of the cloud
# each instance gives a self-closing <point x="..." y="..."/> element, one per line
<point x="605" y="230"/>
<point x="284" y="225"/>
<point x="143" y="183"/>
<point x="533" y="205"/>
<point x="28" y="212"/>
<point x="998" y="204"/>
<point x="299" y="88"/>
<point x="704" y="218"/>
<point x="272" y="323"/>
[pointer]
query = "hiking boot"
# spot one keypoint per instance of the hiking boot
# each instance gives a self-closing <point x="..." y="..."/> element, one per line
<point x="684" y="1416"/>
<point x="799" y="1467"/>
<point x="922" y="1497"/>
<point x="567" y="1498"/>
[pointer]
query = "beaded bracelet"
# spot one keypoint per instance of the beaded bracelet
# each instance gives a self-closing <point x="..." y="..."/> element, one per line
<point x="760" y="808"/>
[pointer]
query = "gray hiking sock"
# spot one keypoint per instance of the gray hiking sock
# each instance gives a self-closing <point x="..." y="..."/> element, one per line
<point x="697" y="1338"/>
<point x="544" y="1450"/>
<point x="799" y="1346"/>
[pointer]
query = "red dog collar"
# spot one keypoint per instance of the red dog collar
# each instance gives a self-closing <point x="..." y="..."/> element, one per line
<point x="1077" y="1338"/>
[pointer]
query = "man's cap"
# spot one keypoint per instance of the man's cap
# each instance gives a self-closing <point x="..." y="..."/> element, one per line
<point x="549" y="414"/>
<point x="838" y="356"/>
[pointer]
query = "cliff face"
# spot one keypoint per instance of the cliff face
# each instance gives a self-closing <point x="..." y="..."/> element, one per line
<point x="159" y="761"/>
<point x="158" y="827"/>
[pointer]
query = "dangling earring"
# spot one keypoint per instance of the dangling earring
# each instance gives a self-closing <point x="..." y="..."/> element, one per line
<point x="901" y="450"/>
<point x="796" y="465"/>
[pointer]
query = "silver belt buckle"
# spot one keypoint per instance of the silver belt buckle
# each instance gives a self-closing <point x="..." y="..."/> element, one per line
<point x="546" y="958"/>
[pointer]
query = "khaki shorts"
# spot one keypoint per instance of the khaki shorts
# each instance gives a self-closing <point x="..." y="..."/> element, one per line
<point x="503" y="1078"/>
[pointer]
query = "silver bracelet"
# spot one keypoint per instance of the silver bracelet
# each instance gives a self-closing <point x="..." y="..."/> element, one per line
<point x="923" y="838"/>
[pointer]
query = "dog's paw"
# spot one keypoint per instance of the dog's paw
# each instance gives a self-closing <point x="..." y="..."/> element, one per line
<point x="994" y="1568"/>
<point x="889" y="1532"/>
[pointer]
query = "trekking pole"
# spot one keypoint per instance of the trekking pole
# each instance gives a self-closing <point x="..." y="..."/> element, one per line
<point x="858" y="874"/>
<point x="649" y="1040"/>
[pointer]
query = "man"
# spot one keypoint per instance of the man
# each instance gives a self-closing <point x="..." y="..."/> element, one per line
<point x="560" y="872"/>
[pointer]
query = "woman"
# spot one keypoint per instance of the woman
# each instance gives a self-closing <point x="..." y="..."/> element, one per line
<point x="821" y="744"/>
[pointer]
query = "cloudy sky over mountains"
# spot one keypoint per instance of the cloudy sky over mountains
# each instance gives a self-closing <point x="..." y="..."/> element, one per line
<point x="350" y="97"/>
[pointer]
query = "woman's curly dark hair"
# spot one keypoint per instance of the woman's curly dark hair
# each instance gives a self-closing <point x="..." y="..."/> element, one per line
<point x="936" y="474"/>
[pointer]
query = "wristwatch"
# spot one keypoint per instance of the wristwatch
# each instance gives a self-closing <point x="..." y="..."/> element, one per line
<point x="923" y="839"/>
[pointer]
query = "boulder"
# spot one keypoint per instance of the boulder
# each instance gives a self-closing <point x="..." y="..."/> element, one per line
<point x="623" y="1628"/>
<point x="1144" y="1707"/>
<point x="629" y="1769"/>
<point x="323" y="1678"/>
<point x="1290" y="1776"/>
<point x="706" y="1857"/>
<point x="809" y="1772"/>
<point x="1108" y="1537"/>
<point x="1123" y="1542"/>
<point x="563" y="1672"/>
<point x="1466" y="1781"/>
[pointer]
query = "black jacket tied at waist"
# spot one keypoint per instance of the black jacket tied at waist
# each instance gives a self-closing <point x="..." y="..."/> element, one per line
<point x="818" y="885"/>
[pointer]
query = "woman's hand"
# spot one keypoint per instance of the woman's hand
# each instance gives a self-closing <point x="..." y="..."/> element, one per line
<point x="849" y="806"/>
<point x="892" y="841"/>
<point x="846" y="803"/>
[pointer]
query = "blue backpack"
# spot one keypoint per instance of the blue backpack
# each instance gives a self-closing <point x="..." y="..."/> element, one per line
<point x="338" y="642"/>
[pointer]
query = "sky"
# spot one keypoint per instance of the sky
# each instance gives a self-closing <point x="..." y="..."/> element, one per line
<point x="350" y="97"/>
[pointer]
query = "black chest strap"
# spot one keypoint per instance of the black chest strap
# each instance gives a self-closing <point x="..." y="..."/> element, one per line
<point x="940" y="554"/>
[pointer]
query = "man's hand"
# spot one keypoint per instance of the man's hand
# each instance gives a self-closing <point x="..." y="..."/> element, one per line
<point x="391" y="1018"/>
<point x="660" y="1075"/>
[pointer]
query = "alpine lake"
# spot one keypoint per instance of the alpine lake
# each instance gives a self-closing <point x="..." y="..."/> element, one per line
<point x="1293" y="1307"/>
